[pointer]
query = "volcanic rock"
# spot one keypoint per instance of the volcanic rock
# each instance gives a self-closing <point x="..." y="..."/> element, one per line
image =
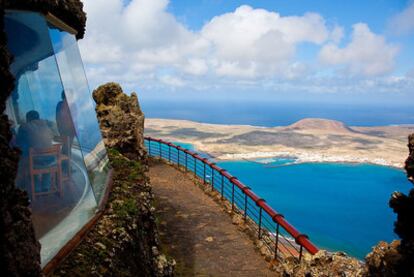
<point x="121" y="120"/>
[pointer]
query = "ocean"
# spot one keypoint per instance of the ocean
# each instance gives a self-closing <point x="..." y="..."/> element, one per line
<point x="341" y="207"/>
<point x="271" y="113"/>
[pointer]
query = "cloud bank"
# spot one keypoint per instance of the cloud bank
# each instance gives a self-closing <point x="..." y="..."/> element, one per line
<point x="366" y="54"/>
<point x="142" y="45"/>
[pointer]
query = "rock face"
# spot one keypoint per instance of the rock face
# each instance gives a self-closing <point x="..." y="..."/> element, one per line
<point x="409" y="163"/>
<point x="384" y="260"/>
<point x="321" y="264"/>
<point x="121" y="120"/>
<point x="397" y="258"/>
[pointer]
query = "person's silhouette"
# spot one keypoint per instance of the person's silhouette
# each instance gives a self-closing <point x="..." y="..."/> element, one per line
<point x="37" y="134"/>
<point x="65" y="124"/>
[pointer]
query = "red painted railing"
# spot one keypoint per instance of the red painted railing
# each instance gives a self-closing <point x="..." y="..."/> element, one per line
<point x="271" y="227"/>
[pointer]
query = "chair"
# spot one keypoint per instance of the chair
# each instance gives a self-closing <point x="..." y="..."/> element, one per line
<point x="65" y="156"/>
<point x="44" y="161"/>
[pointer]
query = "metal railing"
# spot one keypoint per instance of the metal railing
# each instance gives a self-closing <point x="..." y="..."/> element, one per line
<point x="281" y="238"/>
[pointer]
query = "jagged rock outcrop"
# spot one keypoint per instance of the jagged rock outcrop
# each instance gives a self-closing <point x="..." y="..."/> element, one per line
<point x="121" y="120"/>
<point x="322" y="264"/>
<point x="397" y="258"/>
<point x="384" y="259"/>
<point x="409" y="163"/>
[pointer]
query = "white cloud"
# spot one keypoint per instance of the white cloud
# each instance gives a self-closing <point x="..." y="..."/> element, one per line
<point x="337" y="34"/>
<point x="142" y="45"/>
<point x="195" y="66"/>
<point x="255" y="42"/>
<point x="138" y="38"/>
<point x="172" y="81"/>
<point x="367" y="53"/>
<point x="403" y="22"/>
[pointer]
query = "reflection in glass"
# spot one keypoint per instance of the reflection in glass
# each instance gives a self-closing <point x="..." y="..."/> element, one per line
<point x="54" y="125"/>
<point x="82" y="107"/>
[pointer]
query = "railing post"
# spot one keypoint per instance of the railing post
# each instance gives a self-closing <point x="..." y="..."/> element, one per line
<point x="160" y="147"/>
<point x="178" y="159"/>
<point x="260" y="223"/>
<point x="204" y="172"/>
<point x="195" y="166"/>
<point x="277" y="240"/>
<point x="245" y="205"/>
<point x="169" y="153"/>
<point x="222" y="186"/>
<point x="212" y="178"/>
<point x="301" y="246"/>
<point x="232" y="197"/>
<point x="185" y="161"/>
<point x="149" y="147"/>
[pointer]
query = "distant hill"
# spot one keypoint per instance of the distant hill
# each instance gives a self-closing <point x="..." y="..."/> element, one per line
<point x="333" y="126"/>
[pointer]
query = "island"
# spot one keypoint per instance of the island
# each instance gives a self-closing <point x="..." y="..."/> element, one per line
<point x="308" y="140"/>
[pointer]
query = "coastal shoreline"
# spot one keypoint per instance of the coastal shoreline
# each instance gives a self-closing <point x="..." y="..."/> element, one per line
<point x="311" y="140"/>
<point x="304" y="158"/>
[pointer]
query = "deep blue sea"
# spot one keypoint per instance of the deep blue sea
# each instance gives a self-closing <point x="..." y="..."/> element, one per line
<point x="342" y="207"/>
<point x="271" y="113"/>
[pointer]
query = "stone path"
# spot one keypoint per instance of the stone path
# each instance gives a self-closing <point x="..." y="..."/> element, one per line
<point x="197" y="232"/>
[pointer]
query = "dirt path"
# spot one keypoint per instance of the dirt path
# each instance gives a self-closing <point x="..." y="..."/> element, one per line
<point x="197" y="232"/>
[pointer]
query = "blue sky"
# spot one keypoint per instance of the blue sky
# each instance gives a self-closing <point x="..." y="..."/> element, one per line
<point x="354" y="51"/>
<point x="196" y="13"/>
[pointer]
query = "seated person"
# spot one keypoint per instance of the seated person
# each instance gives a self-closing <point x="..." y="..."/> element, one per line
<point x="35" y="133"/>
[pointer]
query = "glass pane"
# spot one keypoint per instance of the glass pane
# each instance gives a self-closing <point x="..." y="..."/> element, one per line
<point x="82" y="107"/>
<point x="51" y="168"/>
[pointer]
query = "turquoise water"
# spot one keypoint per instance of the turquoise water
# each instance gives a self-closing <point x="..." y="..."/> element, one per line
<point x="188" y="146"/>
<point x="342" y="207"/>
<point x="191" y="147"/>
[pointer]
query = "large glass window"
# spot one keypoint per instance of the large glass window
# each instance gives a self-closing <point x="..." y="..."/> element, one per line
<point x="82" y="108"/>
<point x="63" y="165"/>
